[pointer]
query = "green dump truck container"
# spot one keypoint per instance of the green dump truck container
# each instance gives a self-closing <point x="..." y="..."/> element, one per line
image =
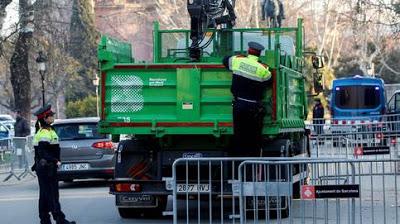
<point x="173" y="108"/>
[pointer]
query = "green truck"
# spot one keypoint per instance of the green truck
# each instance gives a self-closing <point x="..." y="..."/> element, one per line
<point x="174" y="107"/>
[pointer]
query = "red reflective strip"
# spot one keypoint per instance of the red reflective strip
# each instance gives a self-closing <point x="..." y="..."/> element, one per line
<point x="172" y="66"/>
<point x="185" y="124"/>
<point x="132" y="124"/>
<point x="273" y="95"/>
<point x="103" y="95"/>
<point x="225" y="124"/>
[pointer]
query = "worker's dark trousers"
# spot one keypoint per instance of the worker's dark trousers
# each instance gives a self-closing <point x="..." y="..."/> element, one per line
<point x="247" y="124"/>
<point x="49" y="194"/>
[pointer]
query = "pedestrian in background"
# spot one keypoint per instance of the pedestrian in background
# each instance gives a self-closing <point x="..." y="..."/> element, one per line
<point x="21" y="126"/>
<point x="47" y="156"/>
<point x="21" y="131"/>
<point x="318" y="116"/>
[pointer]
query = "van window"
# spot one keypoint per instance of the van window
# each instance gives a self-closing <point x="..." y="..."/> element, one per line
<point x="357" y="97"/>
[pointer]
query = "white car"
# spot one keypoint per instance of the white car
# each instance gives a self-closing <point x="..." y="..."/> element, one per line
<point x="8" y="121"/>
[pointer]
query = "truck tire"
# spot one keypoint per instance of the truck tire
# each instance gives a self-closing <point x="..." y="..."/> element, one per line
<point x="129" y="213"/>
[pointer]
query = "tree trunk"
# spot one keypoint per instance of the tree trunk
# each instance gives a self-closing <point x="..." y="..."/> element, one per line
<point x="20" y="76"/>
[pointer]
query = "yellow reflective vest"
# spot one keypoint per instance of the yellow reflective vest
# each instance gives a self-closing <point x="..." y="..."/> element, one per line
<point x="249" y="67"/>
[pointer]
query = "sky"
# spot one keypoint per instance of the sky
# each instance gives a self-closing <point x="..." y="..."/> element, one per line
<point x="11" y="17"/>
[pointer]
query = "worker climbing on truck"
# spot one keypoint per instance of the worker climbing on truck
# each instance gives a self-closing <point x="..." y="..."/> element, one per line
<point x="249" y="82"/>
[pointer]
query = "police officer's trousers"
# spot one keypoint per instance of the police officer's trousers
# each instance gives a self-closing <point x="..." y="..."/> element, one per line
<point x="248" y="120"/>
<point x="49" y="194"/>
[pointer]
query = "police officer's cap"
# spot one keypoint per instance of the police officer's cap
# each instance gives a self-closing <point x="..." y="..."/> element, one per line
<point x="44" y="112"/>
<point x="256" y="46"/>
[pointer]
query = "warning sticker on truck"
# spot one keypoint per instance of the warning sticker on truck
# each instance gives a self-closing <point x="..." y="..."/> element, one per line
<point x="187" y="106"/>
<point x="157" y="81"/>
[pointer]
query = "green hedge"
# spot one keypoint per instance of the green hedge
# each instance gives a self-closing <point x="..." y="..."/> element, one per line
<point x="82" y="108"/>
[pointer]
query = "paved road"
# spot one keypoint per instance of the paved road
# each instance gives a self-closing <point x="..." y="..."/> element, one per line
<point x="87" y="202"/>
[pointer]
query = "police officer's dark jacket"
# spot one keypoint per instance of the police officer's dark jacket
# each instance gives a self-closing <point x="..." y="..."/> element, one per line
<point x="46" y="145"/>
<point x="250" y="77"/>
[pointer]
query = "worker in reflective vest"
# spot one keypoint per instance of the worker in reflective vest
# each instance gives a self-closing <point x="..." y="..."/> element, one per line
<point x="249" y="83"/>
<point x="47" y="160"/>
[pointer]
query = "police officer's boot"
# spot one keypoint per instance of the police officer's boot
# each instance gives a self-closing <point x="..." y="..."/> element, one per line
<point x="64" y="221"/>
<point x="45" y="221"/>
<point x="44" y="218"/>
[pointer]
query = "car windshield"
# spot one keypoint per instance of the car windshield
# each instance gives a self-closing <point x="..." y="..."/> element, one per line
<point x="77" y="131"/>
<point x="5" y="119"/>
<point x="357" y="97"/>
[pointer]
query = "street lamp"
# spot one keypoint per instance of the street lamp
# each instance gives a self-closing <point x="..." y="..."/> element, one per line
<point x="96" y="84"/>
<point x="41" y="61"/>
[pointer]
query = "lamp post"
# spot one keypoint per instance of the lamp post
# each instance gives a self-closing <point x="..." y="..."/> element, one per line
<point x="41" y="61"/>
<point x="96" y="84"/>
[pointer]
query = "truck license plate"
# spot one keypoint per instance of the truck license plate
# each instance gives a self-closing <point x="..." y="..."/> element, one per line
<point x="136" y="200"/>
<point x="74" y="166"/>
<point x="193" y="188"/>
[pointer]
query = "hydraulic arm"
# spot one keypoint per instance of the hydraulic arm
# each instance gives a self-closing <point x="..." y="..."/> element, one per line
<point x="206" y="14"/>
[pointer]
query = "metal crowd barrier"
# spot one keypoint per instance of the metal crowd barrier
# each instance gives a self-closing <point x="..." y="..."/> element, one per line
<point x="17" y="156"/>
<point x="285" y="190"/>
<point x="356" y="138"/>
<point x="202" y="189"/>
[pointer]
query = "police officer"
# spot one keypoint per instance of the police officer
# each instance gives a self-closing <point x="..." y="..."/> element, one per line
<point x="47" y="160"/>
<point x="318" y="116"/>
<point x="249" y="83"/>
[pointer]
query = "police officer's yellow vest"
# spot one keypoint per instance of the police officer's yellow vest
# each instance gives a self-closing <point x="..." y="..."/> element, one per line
<point x="249" y="67"/>
<point x="45" y="135"/>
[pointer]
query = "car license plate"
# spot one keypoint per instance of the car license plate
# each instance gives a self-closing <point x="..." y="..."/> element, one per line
<point x="193" y="188"/>
<point x="74" y="166"/>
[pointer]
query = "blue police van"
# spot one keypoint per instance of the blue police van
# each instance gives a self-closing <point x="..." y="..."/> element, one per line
<point x="357" y="98"/>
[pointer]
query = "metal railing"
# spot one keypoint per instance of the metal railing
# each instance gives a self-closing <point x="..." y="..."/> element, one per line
<point x="356" y="138"/>
<point x="17" y="156"/>
<point x="285" y="190"/>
